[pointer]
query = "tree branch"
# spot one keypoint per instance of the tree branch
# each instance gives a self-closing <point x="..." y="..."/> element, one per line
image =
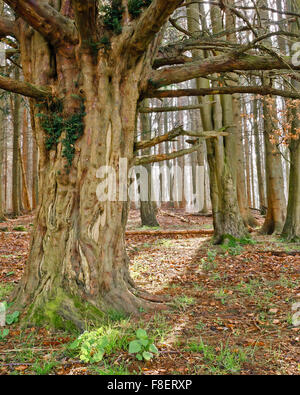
<point x="46" y="20"/>
<point x="217" y="64"/>
<point x="85" y="15"/>
<point x="150" y="22"/>
<point x="7" y="27"/>
<point x="225" y="90"/>
<point x="24" y="88"/>
<point x="148" y="110"/>
<point x="159" y="139"/>
<point x="179" y="131"/>
<point x="143" y="160"/>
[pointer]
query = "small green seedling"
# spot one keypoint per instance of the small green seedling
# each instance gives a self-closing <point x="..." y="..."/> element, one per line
<point x="142" y="346"/>
<point x="3" y="334"/>
<point x="12" y="318"/>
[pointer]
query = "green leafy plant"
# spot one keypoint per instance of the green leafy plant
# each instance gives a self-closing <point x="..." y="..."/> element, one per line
<point x="93" y="345"/>
<point x="209" y="263"/>
<point x="224" y="359"/>
<point x="142" y="346"/>
<point x="54" y="125"/>
<point x="221" y="295"/>
<point x="20" y="228"/>
<point x="43" y="368"/>
<point x="12" y="318"/>
<point x="10" y="274"/>
<point x="231" y="245"/>
<point x="109" y="370"/>
<point x="105" y="43"/>
<point x="135" y="7"/>
<point x="234" y="246"/>
<point x="182" y="302"/>
<point x="5" y="288"/>
<point x="3" y="334"/>
<point x="112" y="15"/>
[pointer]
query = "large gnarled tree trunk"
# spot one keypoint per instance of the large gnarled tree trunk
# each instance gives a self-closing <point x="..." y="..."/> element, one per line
<point x="77" y="265"/>
<point x="86" y="73"/>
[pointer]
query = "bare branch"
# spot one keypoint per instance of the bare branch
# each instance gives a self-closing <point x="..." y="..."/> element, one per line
<point x="179" y="131"/>
<point x="23" y="88"/>
<point x="218" y="64"/>
<point x="45" y="19"/>
<point x="225" y="90"/>
<point x="150" y="22"/>
<point x="143" y="160"/>
<point x="148" y="110"/>
<point x="159" y="139"/>
<point x="7" y="27"/>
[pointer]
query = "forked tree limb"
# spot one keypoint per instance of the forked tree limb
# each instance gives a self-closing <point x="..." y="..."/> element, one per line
<point x="149" y="23"/>
<point x="178" y="131"/>
<point x="46" y="20"/>
<point x="159" y="139"/>
<point x="143" y="160"/>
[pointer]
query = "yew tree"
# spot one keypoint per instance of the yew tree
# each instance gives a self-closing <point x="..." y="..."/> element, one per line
<point x="87" y="65"/>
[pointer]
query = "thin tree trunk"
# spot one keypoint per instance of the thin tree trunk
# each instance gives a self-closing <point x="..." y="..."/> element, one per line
<point x="274" y="173"/>
<point x="16" y="163"/>
<point x="25" y="194"/>
<point x="275" y="185"/>
<point x="240" y="174"/>
<point x="23" y="155"/>
<point x="258" y="154"/>
<point x="147" y="209"/>
<point x="291" y="229"/>
<point x="2" y="142"/>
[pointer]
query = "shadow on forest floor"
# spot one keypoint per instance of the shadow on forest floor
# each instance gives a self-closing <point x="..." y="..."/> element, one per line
<point x="230" y="310"/>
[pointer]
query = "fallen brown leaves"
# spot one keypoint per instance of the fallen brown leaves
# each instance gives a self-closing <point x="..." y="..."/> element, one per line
<point x="240" y="301"/>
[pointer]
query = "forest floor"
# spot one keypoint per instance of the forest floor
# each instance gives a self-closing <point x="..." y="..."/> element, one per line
<point x="230" y="308"/>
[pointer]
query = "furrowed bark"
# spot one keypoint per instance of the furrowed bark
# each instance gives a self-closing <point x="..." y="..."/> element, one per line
<point x="85" y="16"/>
<point x="78" y="267"/>
<point x="46" y="20"/>
<point x="7" y="27"/>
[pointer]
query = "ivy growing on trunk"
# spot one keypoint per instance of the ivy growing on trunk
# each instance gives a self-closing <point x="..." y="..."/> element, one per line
<point x="112" y="13"/>
<point x="135" y="7"/>
<point x="54" y="124"/>
<point x="112" y="16"/>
